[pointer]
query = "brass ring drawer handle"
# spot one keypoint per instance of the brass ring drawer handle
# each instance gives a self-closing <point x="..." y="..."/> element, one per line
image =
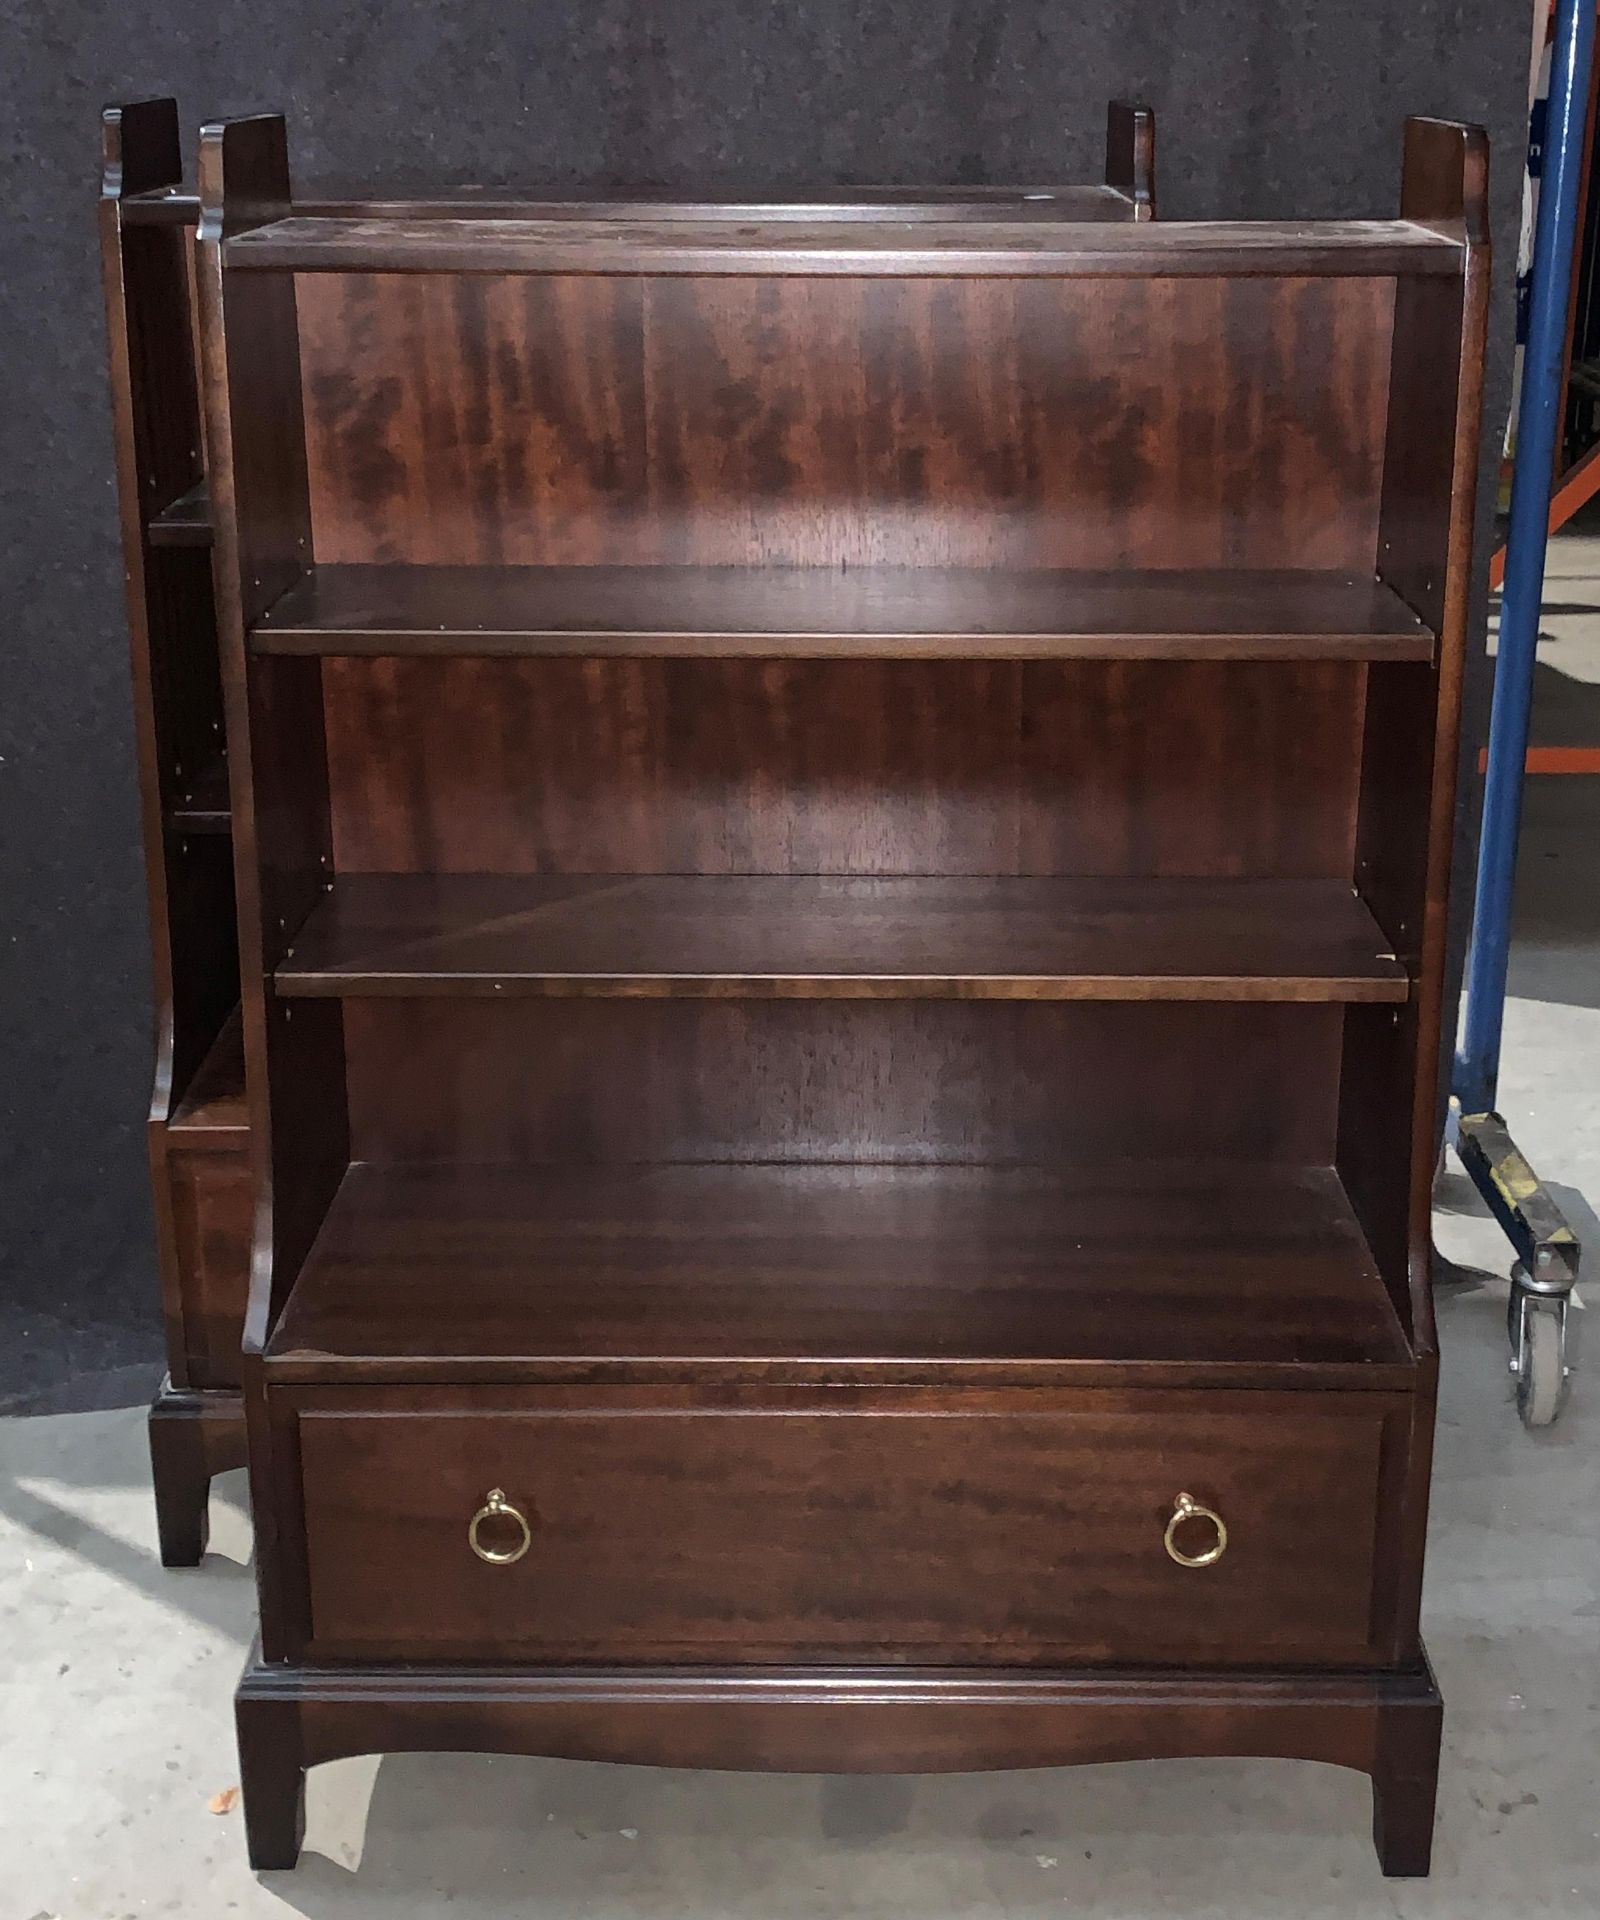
<point x="1186" y="1507"/>
<point x="498" y="1507"/>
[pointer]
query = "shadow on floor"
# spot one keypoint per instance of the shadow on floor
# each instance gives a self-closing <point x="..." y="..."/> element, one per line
<point x="497" y="1835"/>
<point x="40" y="1496"/>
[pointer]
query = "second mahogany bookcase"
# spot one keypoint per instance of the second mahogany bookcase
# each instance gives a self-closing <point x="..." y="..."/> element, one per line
<point x="842" y="832"/>
<point x="197" y="1129"/>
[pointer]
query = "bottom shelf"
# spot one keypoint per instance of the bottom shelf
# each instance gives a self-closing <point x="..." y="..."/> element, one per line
<point x="1241" y="1275"/>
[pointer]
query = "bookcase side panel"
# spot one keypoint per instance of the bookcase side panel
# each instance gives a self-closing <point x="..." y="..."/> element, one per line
<point x="277" y="757"/>
<point x="177" y="692"/>
<point x="1410" y="743"/>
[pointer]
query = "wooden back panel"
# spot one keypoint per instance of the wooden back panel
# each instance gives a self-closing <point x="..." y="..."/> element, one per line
<point x="651" y="766"/>
<point x="980" y="422"/>
<point x="483" y="419"/>
<point x="905" y="1082"/>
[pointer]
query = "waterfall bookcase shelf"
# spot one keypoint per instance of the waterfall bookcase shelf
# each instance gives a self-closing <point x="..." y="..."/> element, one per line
<point x="843" y="822"/>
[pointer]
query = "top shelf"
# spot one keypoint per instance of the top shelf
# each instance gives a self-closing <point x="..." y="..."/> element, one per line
<point x="869" y="241"/>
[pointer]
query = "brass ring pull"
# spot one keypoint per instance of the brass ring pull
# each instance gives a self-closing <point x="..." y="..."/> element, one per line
<point x="498" y="1507"/>
<point x="1185" y="1508"/>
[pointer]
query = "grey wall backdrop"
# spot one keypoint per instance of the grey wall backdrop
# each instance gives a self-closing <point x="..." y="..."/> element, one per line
<point x="1265" y="108"/>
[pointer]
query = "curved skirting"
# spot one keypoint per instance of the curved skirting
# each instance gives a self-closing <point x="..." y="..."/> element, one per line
<point x="909" y="1720"/>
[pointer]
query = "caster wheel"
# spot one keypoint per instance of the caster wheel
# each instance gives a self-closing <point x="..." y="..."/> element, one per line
<point x="1540" y="1363"/>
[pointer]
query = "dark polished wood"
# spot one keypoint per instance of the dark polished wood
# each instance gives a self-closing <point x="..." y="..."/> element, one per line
<point x="1445" y="180"/>
<point x="403" y="198"/>
<point x="213" y="1112"/>
<point x="201" y="1194"/>
<point x="914" y="613"/>
<point x="893" y="1720"/>
<point x="294" y="1071"/>
<point x="718" y="1273"/>
<point x="212" y="1214"/>
<point x="261" y="546"/>
<point x="176" y="687"/>
<point x="591" y="420"/>
<point x="273" y="1756"/>
<point x="668" y="651"/>
<point x="194" y="1436"/>
<point x="309" y="243"/>
<point x="1129" y="197"/>
<point x="909" y="767"/>
<point x="1128" y="193"/>
<point x="907" y="1082"/>
<point x="1405" y="1782"/>
<point x="790" y="936"/>
<point x="950" y="1528"/>
<point x="212" y="1210"/>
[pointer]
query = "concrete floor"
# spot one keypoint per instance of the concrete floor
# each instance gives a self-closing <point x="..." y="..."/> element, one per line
<point x="115" y="1677"/>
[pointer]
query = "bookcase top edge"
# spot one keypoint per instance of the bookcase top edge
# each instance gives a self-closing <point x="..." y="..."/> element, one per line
<point x="452" y="242"/>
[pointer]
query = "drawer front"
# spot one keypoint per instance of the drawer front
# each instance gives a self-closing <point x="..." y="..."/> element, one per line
<point x="914" y="1531"/>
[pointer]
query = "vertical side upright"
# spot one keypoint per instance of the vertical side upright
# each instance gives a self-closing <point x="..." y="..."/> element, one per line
<point x="155" y="413"/>
<point x="1390" y="1105"/>
<point x="1389" y="1110"/>
<point x="1405" y="824"/>
<point x="1131" y="155"/>
<point x="1446" y="180"/>
<point x="294" y="1056"/>
<point x="140" y="153"/>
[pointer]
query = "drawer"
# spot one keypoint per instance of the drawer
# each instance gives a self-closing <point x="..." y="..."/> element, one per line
<point x="903" y="1526"/>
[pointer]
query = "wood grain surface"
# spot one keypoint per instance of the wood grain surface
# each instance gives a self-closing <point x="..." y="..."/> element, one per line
<point x="843" y="1272"/>
<point x="867" y="767"/>
<point x="893" y="1532"/>
<point x="591" y="1082"/>
<point x="836" y="1335"/>
<point x="463" y="244"/>
<point x="586" y="420"/>
<point x="910" y="612"/>
<point x="798" y="936"/>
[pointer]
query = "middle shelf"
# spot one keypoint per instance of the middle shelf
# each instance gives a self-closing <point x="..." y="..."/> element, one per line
<point x="855" y="613"/>
<point x="837" y="937"/>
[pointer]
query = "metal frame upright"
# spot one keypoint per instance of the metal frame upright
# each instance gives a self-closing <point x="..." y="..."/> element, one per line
<point x="1546" y="1248"/>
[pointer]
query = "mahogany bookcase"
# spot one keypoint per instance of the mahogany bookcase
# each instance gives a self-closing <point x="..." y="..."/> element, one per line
<point x="842" y="822"/>
<point x="198" y="1130"/>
